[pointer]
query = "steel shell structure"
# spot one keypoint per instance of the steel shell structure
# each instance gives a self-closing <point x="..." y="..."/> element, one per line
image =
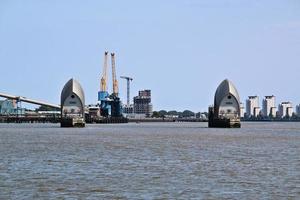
<point x="72" y="104"/>
<point x="226" y="110"/>
<point x="225" y="89"/>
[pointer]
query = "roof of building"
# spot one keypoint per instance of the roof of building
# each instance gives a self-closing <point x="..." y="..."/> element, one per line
<point x="72" y="86"/>
<point x="286" y="102"/>
<point x="252" y="97"/>
<point x="268" y="97"/>
<point x="224" y="89"/>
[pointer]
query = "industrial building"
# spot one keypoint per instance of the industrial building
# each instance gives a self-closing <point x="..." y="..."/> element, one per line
<point x="268" y="106"/>
<point x="128" y="109"/>
<point x="252" y="106"/>
<point x="9" y="107"/>
<point x="226" y="110"/>
<point x="142" y="103"/>
<point x="285" y="110"/>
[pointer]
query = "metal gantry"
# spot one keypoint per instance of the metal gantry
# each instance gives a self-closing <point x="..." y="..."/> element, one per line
<point x="128" y="87"/>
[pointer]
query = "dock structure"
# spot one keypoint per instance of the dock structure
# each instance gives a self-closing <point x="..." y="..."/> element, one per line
<point x="225" y="113"/>
<point x="72" y="105"/>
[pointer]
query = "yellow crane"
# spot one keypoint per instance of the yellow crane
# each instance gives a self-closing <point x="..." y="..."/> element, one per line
<point x="103" y="83"/>
<point x="114" y="75"/>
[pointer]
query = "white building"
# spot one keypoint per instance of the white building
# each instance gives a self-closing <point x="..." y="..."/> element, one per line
<point x="273" y="111"/>
<point x="242" y="110"/>
<point x="268" y="106"/>
<point x="256" y="111"/>
<point x="285" y="109"/>
<point x="252" y="106"/>
<point x="298" y="110"/>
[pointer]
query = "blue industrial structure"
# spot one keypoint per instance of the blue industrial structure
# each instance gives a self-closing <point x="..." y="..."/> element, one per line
<point x="115" y="105"/>
<point x="110" y="105"/>
<point x="103" y="98"/>
<point x="102" y="95"/>
<point x="9" y="107"/>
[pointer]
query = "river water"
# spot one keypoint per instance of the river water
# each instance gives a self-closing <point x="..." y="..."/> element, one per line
<point x="150" y="161"/>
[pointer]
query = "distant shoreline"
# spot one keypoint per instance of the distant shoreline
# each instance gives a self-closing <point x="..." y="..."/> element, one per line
<point x="197" y="120"/>
<point x="130" y="120"/>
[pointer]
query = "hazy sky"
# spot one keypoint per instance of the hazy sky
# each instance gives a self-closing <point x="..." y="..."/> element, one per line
<point x="181" y="50"/>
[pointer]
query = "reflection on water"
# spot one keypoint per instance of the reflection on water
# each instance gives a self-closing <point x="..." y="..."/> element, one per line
<point x="150" y="160"/>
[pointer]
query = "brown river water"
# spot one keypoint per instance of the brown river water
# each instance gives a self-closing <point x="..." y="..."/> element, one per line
<point x="150" y="161"/>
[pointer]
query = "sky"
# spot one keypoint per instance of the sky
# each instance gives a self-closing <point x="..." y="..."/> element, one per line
<point x="180" y="49"/>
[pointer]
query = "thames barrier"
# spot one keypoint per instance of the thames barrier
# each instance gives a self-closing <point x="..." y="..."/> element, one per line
<point x="72" y="105"/>
<point x="226" y="110"/>
<point x="225" y="113"/>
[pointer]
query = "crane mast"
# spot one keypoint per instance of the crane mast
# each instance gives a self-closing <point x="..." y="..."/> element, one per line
<point x="128" y="87"/>
<point x="114" y="75"/>
<point x="103" y="83"/>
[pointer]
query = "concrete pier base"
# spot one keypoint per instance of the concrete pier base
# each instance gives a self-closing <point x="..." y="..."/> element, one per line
<point x="72" y="122"/>
<point x="224" y="123"/>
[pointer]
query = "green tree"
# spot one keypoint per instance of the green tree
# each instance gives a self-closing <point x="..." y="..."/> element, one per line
<point x="155" y="114"/>
<point x="162" y="113"/>
<point x="188" y="113"/>
<point x="173" y="112"/>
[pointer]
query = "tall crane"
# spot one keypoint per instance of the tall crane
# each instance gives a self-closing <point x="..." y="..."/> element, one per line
<point x="114" y="76"/>
<point x="128" y="87"/>
<point x="114" y="100"/>
<point x="103" y="85"/>
<point x="103" y="94"/>
<point x="110" y="105"/>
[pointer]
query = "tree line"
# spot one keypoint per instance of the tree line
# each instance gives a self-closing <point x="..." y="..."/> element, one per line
<point x="179" y="114"/>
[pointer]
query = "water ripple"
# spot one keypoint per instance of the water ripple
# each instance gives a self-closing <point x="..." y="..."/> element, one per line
<point x="150" y="161"/>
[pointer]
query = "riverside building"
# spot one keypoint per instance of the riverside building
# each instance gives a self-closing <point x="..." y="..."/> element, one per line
<point x="142" y="103"/>
<point x="298" y="110"/>
<point x="268" y="106"/>
<point x="252" y="106"/>
<point x="285" y="109"/>
<point x="242" y="110"/>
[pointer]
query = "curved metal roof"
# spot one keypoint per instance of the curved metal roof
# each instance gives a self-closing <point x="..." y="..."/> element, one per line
<point x="72" y="86"/>
<point x="224" y="89"/>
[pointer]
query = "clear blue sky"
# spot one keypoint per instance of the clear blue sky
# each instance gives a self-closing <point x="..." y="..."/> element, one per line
<point x="181" y="50"/>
